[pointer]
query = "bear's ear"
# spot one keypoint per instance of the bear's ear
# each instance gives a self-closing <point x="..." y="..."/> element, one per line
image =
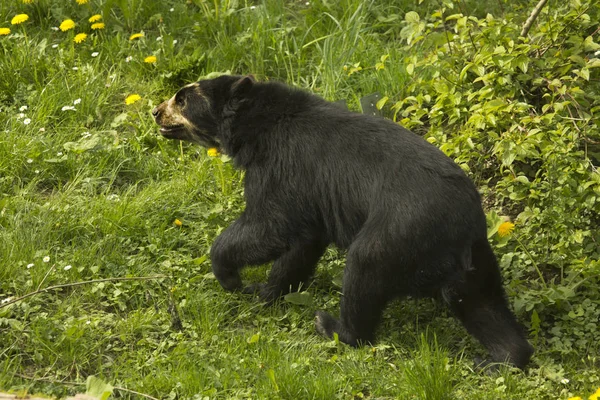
<point x="242" y="86"/>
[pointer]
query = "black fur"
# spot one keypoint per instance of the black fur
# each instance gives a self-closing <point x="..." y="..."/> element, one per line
<point x="410" y="218"/>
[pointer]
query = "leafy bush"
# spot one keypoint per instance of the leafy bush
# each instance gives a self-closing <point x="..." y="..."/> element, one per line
<point x="521" y="116"/>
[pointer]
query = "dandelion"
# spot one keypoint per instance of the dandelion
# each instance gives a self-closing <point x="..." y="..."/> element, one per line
<point x="82" y="2"/>
<point x="46" y="259"/>
<point x="98" y="25"/>
<point x="95" y="18"/>
<point x="595" y="396"/>
<point x="66" y="25"/>
<point x="27" y="1"/>
<point x="95" y="54"/>
<point x="67" y="267"/>
<point x="505" y="229"/>
<point x="30" y="265"/>
<point x="27" y="121"/>
<point x="19" y="18"/>
<point x="575" y="398"/>
<point x="132" y="98"/>
<point x="177" y="222"/>
<point x="80" y="37"/>
<point x="150" y="59"/>
<point x="136" y="36"/>
<point x="4" y="31"/>
<point x="213" y="152"/>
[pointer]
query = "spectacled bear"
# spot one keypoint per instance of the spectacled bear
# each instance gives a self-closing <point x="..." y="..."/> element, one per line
<point x="409" y="217"/>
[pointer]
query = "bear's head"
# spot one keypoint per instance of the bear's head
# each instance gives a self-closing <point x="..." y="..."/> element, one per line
<point x="197" y="110"/>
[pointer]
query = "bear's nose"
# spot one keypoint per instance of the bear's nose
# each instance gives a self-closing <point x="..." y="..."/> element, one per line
<point x="155" y="112"/>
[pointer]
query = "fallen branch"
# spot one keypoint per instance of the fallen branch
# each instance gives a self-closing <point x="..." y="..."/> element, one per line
<point x="133" y="278"/>
<point x="532" y="17"/>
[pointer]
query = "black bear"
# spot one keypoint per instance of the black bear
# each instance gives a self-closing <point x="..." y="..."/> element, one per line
<point x="410" y="218"/>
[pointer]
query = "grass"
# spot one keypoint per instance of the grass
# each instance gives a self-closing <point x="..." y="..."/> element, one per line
<point x="93" y="193"/>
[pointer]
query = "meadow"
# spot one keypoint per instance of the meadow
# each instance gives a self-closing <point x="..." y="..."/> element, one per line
<point x="105" y="227"/>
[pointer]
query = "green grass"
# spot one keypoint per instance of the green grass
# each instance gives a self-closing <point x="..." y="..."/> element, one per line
<point x="96" y="189"/>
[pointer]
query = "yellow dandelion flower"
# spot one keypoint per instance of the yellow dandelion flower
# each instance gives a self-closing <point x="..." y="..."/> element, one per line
<point x="505" y="229"/>
<point x="136" y="36"/>
<point x="575" y="398"/>
<point x="27" y="1"/>
<point x="4" y="31"/>
<point x="19" y="18"/>
<point x="80" y="37"/>
<point x="82" y="2"/>
<point x="213" y="152"/>
<point x="98" y="25"/>
<point x="95" y="18"/>
<point x="150" y="59"/>
<point x="177" y="222"/>
<point x="66" y="25"/>
<point x="595" y="396"/>
<point x="132" y="98"/>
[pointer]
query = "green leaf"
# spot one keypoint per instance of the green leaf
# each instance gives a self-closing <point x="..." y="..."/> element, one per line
<point x="97" y="388"/>
<point x="83" y="145"/>
<point x="254" y="338"/>
<point x="382" y="102"/>
<point x="412" y="17"/>
<point x="299" y="298"/>
<point x="590" y="45"/>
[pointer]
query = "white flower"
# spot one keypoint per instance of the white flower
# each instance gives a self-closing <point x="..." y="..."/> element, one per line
<point x="158" y="39"/>
<point x="6" y="300"/>
<point x="95" y="54"/>
<point x="22" y="108"/>
<point x="67" y="108"/>
<point x="27" y="121"/>
<point x="252" y="7"/>
<point x="75" y="68"/>
<point x="88" y="322"/>
<point x="20" y="115"/>
<point x="42" y="129"/>
<point x="86" y="134"/>
<point x="597" y="53"/>
<point x="174" y="42"/>
<point x="30" y="265"/>
<point x="112" y="197"/>
<point x="59" y="154"/>
<point x="54" y="28"/>
<point x="29" y="161"/>
<point x="564" y="381"/>
<point x="171" y="9"/>
<point x="54" y="46"/>
<point x="76" y="101"/>
<point x="37" y="171"/>
<point x="128" y="58"/>
<point x="46" y="259"/>
<point x="67" y="267"/>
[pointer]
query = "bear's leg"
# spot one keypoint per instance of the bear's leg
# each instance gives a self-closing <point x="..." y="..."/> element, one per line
<point x="364" y="296"/>
<point x="479" y="301"/>
<point x="243" y="243"/>
<point x="291" y="270"/>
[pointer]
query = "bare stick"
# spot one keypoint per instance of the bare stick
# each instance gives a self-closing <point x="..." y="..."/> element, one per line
<point x="532" y="17"/>
<point x="133" y="278"/>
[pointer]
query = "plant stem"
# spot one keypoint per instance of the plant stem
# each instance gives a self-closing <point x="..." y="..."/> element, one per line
<point x="532" y="261"/>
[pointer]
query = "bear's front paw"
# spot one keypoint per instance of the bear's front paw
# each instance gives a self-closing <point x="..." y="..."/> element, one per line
<point x="230" y="281"/>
